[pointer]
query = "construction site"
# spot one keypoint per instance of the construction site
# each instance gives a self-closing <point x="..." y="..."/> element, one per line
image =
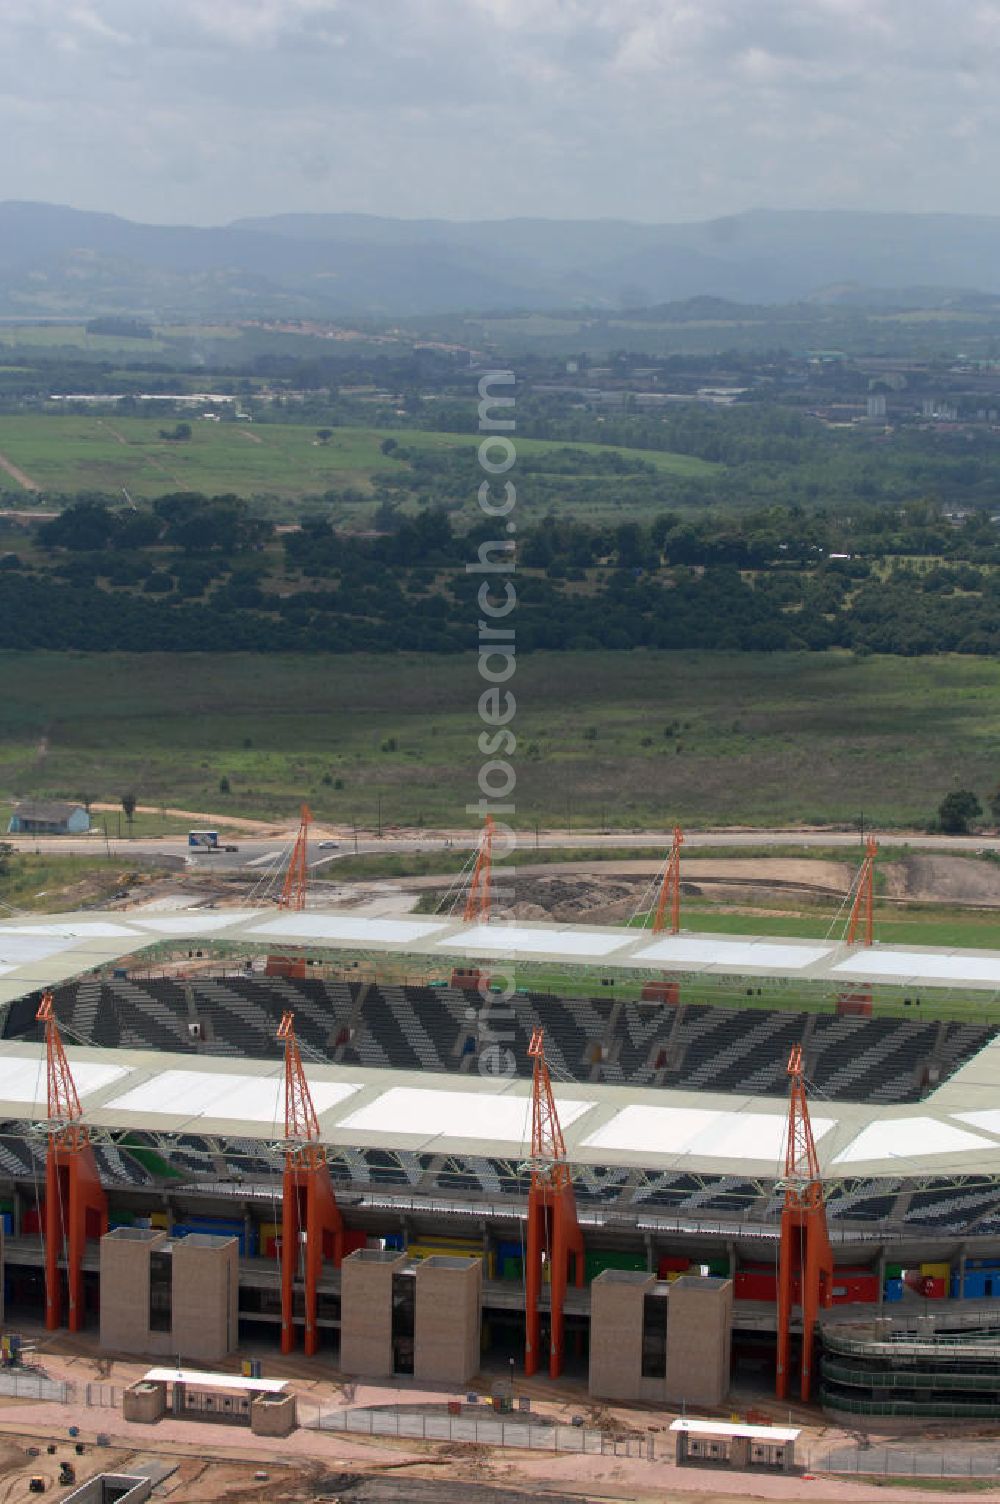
<point x="636" y="1166"/>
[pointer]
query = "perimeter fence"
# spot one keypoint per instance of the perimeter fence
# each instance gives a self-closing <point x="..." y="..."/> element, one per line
<point x="524" y="1434"/>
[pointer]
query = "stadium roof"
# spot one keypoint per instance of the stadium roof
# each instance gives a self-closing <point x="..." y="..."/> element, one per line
<point x="37" y="951"/>
<point x="954" y="1131"/>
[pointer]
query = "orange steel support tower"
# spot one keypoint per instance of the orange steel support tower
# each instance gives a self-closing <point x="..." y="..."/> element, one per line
<point x="806" y="1258"/>
<point x="75" y="1204"/>
<point x="864" y="898"/>
<point x="308" y="1204"/>
<point x="293" y="894"/>
<point x="479" y="897"/>
<point x="670" y="887"/>
<point x="552" y="1222"/>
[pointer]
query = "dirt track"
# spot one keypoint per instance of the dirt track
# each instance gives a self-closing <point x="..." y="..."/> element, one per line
<point x="16" y="473"/>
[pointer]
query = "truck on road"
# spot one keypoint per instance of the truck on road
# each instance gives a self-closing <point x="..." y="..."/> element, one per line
<point x="204" y="840"/>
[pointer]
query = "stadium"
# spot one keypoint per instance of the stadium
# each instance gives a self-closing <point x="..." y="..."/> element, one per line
<point x="668" y="1058"/>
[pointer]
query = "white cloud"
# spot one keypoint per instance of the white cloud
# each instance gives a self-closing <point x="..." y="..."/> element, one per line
<point x="647" y="109"/>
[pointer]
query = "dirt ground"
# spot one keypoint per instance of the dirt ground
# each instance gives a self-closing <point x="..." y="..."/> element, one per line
<point x="944" y="879"/>
<point x="217" y="1465"/>
<point x="610" y="892"/>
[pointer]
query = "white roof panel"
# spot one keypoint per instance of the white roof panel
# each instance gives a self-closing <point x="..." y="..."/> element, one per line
<point x="352" y="928"/>
<point x="192" y="924"/>
<point x="16" y="949"/>
<point x="86" y="929"/>
<point x="706" y="950"/>
<point x="988" y="1119"/>
<point x="23" y="1079"/>
<point x="196" y="1380"/>
<point x="921" y="965"/>
<point x="772" y="1434"/>
<point x="508" y="939"/>
<point x="66" y="945"/>
<point x="434" y="1113"/>
<point x="204" y="1094"/>
<point x="701" y="1131"/>
<point x="909" y="1140"/>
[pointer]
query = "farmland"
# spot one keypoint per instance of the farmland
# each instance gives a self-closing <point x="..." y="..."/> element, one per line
<point x="629" y="739"/>
<point x="65" y="454"/>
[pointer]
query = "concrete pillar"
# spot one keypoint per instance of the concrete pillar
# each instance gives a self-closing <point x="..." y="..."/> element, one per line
<point x="617" y="1304"/>
<point x="447" y="1318"/>
<point x="961" y="1273"/>
<point x="204" y="1297"/>
<point x="125" y="1254"/>
<point x="366" y="1311"/>
<point x="881" y="1278"/>
<point x="699" y="1340"/>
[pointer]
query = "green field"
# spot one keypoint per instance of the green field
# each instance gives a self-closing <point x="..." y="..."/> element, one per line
<point x="75" y="336"/>
<point x="627" y="740"/>
<point x="284" y="461"/>
<point x="52" y="884"/>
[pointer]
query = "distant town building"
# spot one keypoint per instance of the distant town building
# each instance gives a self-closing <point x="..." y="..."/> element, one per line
<point x="48" y="817"/>
<point x="876" y="406"/>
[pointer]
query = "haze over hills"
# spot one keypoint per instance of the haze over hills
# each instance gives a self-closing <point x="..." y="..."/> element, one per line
<point x="62" y="262"/>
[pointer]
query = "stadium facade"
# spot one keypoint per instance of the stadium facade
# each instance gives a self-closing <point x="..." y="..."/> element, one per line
<point x="673" y="1115"/>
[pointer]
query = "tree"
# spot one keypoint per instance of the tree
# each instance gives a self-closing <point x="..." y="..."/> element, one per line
<point x="324" y="435"/>
<point x="995" y="808"/>
<point x="224" y="785"/>
<point x="957" y="811"/>
<point x="128" y="805"/>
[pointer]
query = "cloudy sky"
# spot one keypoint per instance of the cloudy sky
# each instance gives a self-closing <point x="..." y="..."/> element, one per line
<point x="200" y="111"/>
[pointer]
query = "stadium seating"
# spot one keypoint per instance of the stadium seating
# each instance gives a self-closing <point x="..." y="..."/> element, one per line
<point x="694" y="1047"/>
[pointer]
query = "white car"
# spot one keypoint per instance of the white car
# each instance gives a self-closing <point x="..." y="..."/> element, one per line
<point x="329" y="845"/>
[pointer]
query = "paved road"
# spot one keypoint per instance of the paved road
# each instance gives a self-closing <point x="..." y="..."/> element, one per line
<point x="259" y="853"/>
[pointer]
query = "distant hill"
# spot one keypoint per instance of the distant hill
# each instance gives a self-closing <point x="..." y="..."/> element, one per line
<point x="59" y="262"/>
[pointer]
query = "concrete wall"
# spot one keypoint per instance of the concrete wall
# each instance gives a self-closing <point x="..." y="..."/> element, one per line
<point x="273" y="1415"/>
<point x="125" y="1255"/>
<point x="699" y="1340"/>
<point x="126" y="1488"/>
<point x="616" y="1311"/>
<point x="366" y="1311"/>
<point x="144" y="1403"/>
<point x="447" y="1319"/>
<point x="205" y="1296"/>
<point x="699" y="1336"/>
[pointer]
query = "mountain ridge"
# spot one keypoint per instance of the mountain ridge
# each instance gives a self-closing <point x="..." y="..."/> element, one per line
<point x="56" y="260"/>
